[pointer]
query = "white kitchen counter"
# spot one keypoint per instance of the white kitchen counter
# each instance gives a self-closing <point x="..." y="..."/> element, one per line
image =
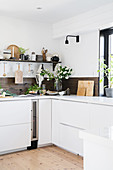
<point x="98" y="148"/>
<point x="74" y="98"/>
<point x="103" y="136"/>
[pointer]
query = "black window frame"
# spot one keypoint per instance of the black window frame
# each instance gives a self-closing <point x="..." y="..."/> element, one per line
<point x="105" y="33"/>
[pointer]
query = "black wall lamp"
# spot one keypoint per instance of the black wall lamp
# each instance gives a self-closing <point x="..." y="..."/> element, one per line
<point x="67" y="41"/>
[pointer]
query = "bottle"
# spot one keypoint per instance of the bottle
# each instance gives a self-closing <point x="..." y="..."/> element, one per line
<point x="33" y="56"/>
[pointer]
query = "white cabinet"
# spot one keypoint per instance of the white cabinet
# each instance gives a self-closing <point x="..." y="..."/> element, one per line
<point x="15" y="112"/>
<point x="101" y="116"/>
<point x="15" y="125"/>
<point x="69" y="139"/>
<point x="74" y="113"/>
<point x="44" y="122"/>
<point x="67" y="119"/>
<point x="15" y="137"/>
<point x="55" y="122"/>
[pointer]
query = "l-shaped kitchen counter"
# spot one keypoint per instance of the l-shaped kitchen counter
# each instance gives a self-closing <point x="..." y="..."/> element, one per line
<point x="84" y="99"/>
<point x="60" y="120"/>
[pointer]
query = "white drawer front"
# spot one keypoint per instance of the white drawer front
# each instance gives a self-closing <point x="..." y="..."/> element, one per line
<point x="69" y="139"/>
<point x="15" y="137"/>
<point x="15" y="112"/>
<point x="75" y="114"/>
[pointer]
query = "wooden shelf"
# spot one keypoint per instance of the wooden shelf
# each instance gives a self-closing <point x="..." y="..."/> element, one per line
<point x="30" y="61"/>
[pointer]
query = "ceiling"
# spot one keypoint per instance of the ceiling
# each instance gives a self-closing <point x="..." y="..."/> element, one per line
<point x="52" y="10"/>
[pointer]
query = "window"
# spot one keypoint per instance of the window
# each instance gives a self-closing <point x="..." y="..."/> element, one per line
<point x="106" y="50"/>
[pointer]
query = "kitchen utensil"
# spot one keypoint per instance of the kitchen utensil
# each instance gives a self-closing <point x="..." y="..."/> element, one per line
<point x="39" y="58"/>
<point x="26" y="57"/>
<point x="6" y="96"/>
<point x="85" y="88"/>
<point x="4" y="71"/>
<point x="44" y="53"/>
<point x="33" y="56"/>
<point x="14" y="51"/>
<point x="22" y="56"/>
<point x="52" y="92"/>
<point x="61" y="93"/>
<point x="7" y="54"/>
<point x="81" y="92"/>
<point x="67" y="91"/>
<point x="29" y="71"/>
<point x="55" y="58"/>
<point x="18" y="76"/>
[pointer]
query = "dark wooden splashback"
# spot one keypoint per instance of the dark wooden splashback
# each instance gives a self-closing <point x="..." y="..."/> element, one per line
<point x="9" y="84"/>
<point x="72" y="83"/>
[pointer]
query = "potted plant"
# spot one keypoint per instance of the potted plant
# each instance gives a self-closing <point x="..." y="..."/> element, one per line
<point x="22" y="52"/>
<point x="33" y="89"/>
<point x="60" y="73"/>
<point x="108" y="73"/>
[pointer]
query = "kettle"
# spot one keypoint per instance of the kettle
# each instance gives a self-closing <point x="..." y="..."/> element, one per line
<point x="55" y="58"/>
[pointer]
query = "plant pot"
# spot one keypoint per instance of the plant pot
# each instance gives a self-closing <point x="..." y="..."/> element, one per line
<point x="22" y="56"/>
<point x="109" y="92"/>
<point x="58" y="85"/>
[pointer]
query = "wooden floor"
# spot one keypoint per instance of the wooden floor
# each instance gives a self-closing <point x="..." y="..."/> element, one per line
<point x="47" y="158"/>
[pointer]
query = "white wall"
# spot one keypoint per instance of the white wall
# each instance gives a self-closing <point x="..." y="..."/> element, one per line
<point x="92" y="20"/>
<point x="83" y="56"/>
<point x="28" y="34"/>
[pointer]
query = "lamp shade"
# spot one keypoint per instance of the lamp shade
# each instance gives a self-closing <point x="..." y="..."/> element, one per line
<point x="77" y="38"/>
<point x="66" y="41"/>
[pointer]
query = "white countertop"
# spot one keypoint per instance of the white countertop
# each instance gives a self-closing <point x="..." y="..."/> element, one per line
<point x="73" y="98"/>
<point x="103" y="136"/>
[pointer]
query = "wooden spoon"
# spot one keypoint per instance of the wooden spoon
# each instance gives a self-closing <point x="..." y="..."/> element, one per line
<point x="4" y="71"/>
<point x="29" y="69"/>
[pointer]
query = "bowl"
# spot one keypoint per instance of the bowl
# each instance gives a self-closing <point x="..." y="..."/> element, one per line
<point x="61" y="93"/>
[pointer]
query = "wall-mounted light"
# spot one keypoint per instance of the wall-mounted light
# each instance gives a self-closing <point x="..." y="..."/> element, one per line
<point x="67" y="41"/>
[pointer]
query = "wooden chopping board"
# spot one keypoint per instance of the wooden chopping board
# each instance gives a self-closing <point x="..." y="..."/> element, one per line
<point x="6" y="97"/>
<point x="16" y="51"/>
<point x="85" y="88"/>
<point x="19" y="76"/>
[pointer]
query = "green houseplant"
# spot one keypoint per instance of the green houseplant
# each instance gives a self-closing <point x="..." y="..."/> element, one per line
<point x="34" y="88"/>
<point x="59" y="74"/>
<point x="107" y="72"/>
<point x="22" y="52"/>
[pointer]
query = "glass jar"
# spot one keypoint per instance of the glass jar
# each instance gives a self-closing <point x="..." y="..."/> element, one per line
<point x="58" y="85"/>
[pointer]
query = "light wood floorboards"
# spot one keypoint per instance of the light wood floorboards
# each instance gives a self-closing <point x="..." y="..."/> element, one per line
<point x="47" y="158"/>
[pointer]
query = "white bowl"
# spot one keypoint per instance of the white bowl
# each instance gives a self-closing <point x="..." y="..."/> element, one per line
<point x="61" y="93"/>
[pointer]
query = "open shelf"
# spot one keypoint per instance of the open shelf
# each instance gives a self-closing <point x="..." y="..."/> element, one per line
<point x="30" y="61"/>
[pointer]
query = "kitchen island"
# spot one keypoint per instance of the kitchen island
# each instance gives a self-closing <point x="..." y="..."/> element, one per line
<point x="60" y="120"/>
<point x="98" y="148"/>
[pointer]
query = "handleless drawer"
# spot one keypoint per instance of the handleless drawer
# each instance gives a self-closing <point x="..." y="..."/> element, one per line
<point x="75" y="114"/>
<point x="15" y="137"/>
<point x="15" y="112"/>
<point x="69" y="139"/>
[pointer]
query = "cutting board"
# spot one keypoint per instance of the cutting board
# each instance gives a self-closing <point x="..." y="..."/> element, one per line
<point x="6" y="97"/>
<point x="18" y="76"/>
<point x="16" y="51"/>
<point x="85" y="88"/>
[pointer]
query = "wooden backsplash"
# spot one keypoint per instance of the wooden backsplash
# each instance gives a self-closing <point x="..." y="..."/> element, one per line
<point x="72" y="83"/>
<point x="9" y="84"/>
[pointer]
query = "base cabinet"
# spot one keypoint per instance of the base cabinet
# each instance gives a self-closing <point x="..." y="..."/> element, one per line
<point x="55" y="122"/>
<point x="15" y="137"/>
<point x="69" y="139"/>
<point x="44" y="122"/>
<point x="15" y="125"/>
<point x="67" y="119"/>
